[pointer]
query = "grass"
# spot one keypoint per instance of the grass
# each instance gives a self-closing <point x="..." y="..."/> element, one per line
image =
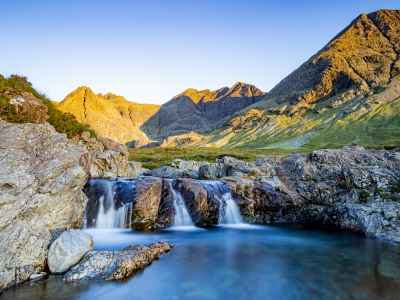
<point x="152" y="158"/>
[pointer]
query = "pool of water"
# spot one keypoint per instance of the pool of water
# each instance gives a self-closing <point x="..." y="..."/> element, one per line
<point x="242" y="262"/>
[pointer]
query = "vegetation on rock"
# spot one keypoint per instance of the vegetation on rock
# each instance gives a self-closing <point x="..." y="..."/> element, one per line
<point x="19" y="86"/>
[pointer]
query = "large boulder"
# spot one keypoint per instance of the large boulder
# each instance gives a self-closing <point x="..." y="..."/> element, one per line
<point x="41" y="181"/>
<point x="202" y="203"/>
<point x="106" y="158"/>
<point x="116" y="265"/>
<point x="146" y="203"/>
<point x="68" y="249"/>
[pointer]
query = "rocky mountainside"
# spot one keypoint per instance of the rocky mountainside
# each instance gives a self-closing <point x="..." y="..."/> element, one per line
<point x="200" y="111"/>
<point x="109" y="115"/>
<point x="346" y="93"/>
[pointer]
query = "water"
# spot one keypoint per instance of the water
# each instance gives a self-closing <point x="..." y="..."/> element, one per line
<point x="109" y="203"/>
<point x="250" y="263"/>
<point x="229" y="212"/>
<point x="182" y="217"/>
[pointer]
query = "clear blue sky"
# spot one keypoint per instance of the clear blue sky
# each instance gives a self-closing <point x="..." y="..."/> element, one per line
<point x="150" y="51"/>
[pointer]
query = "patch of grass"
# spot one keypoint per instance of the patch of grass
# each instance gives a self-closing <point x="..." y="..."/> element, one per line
<point x="152" y="158"/>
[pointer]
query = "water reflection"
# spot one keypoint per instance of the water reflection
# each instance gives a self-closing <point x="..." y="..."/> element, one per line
<point x="244" y="263"/>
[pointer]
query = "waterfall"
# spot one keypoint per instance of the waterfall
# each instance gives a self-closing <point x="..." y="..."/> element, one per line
<point x="229" y="212"/>
<point x="182" y="217"/>
<point x="107" y="206"/>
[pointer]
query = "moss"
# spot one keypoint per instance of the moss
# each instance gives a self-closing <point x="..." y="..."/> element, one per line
<point x="364" y="195"/>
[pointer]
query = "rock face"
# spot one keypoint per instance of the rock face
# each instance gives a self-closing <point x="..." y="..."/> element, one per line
<point x="41" y="181"/>
<point x="146" y="203"/>
<point x="68" y="249"/>
<point x="200" y="111"/>
<point x="116" y="265"/>
<point x="106" y="158"/>
<point x="349" y="189"/>
<point x="109" y="115"/>
<point x="201" y="203"/>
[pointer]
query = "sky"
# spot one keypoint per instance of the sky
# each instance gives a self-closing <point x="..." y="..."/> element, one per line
<point x="149" y="51"/>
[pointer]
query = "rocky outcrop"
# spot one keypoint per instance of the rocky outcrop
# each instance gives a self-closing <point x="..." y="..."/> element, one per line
<point x="202" y="203"/>
<point x="106" y="158"/>
<point x="350" y="189"/>
<point x="41" y="181"/>
<point x="27" y="107"/>
<point x="200" y="111"/>
<point x="109" y="115"/>
<point x="68" y="249"/>
<point x="116" y="265"/>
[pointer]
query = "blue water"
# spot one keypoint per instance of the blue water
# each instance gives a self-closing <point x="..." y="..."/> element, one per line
<point x="243" y="262"/>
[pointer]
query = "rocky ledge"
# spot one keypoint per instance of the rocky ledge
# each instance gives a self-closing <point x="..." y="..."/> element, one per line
<point x="350" y="189"/>
<point x="116" y="265"/>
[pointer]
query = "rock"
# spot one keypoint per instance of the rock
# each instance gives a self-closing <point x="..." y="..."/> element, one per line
<point x="146" y="203"/>
<point x="41" y="181"/>
<point x="106" y="158"/>
<point x="136" y="169"/>
<point x="37" y="276"/>
<point x="212" y="171"/>
<point x="350" y="189"/>
<point x="68" y="250"/>
<point x="29" y="108"/>
<point x="116" y="265"/>
<point x="201" y="203"/>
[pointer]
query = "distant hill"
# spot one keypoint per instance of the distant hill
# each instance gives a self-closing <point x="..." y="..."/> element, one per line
<point x="109" y="115"/>
<point x="348" y="92"/>
<point x="200" y="111"/>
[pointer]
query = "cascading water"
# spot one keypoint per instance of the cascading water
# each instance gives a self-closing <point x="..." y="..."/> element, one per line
<point x="182" y="217"/>
<point x="229" y="212"/>
<point x="107" y="206"/>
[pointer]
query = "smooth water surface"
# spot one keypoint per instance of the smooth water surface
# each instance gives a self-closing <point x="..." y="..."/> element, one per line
<point x="242" y="262"/>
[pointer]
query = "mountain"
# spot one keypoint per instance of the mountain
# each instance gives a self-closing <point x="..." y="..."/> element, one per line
<point x="346" y="93"/>
<point x="109" y="115"/>
<point x="200" y="110"/>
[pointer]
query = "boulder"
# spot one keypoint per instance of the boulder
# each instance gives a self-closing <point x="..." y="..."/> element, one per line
<point x="146" y="203"/>
<point x="41" y="181"/>
<point x="105" y="158"/>
<point x="201" y="203"/>
<point x="212" y="171"/>
<point x="68" y="249"/>
<point x="116" y="265"/>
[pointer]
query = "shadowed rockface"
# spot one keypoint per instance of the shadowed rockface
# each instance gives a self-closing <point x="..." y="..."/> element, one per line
<point x="200" y="111"/>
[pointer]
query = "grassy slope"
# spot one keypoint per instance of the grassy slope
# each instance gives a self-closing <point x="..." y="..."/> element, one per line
<point x="156" y="157"/>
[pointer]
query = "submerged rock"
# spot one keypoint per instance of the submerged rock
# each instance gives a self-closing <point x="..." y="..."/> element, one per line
<point x="68" y="249"/>
<point x="116" y="265"/>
